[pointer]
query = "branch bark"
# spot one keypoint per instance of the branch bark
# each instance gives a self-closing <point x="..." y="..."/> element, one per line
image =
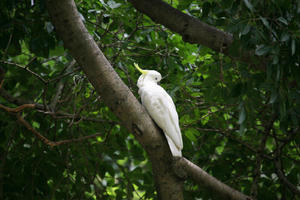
<point x="122" y="102"/>
<point x="17" y="109"/>
<point x="192" y="29"/>
<point x="185" y="168"/>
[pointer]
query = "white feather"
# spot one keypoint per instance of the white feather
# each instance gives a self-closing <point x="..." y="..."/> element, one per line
<point x="161" y="108"/>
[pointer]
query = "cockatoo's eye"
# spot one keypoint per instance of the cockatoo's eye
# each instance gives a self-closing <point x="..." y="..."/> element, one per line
<point x="155" y="78"/>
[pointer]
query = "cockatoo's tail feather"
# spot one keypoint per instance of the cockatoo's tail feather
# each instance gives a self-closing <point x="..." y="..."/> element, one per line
<point x="174" y="149"/>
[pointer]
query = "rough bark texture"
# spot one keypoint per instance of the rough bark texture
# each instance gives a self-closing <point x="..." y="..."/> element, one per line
<point x="115" y="94"/>
<point x="126" y="107"/>
<point x="192" y="29"/>
<point x="186" y="169"/>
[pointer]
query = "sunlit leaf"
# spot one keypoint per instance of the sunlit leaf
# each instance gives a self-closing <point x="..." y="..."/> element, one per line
<point x="249" y="5"/>
<point x="262" y="50"/>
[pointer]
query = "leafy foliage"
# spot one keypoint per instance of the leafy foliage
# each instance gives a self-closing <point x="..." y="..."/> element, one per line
<point x="239" y="122"/>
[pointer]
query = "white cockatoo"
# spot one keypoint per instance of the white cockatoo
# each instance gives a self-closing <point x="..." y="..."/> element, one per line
<point x="161" y="108"/>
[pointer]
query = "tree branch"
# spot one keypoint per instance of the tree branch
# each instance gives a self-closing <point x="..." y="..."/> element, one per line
<point x="283" y="178"/>
<point x="185" y="168"/>
<point x="60" y="86"/>
<point x="17" y="109"/>
<point x="49" y="142"/>
<point x="18" y="101"/>
<point x="280" y="170"/>
<point x="2" y="75"/>
<point x="26" y="69"/>
<point x="22" y="103"/>
<point x="192" y="29"/>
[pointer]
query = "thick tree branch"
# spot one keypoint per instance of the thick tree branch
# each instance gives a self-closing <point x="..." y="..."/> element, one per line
<point x="190" y="28"/>
<point x="186" y="168"/>
<point x="119" y="98"/>
<point x="115" y="94"/>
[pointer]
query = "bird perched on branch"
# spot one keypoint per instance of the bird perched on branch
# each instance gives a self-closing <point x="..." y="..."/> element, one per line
<point x="161" y="108"/>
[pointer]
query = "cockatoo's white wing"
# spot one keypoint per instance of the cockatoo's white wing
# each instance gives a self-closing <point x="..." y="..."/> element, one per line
<point x="162" y="109"/>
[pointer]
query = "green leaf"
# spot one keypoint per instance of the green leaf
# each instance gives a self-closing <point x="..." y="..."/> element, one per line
<point x="242" y="115"/>
<point x="35" y="125"/>
<point x="273" y="98"/>
<point x="284" y="37"/>
<point x="112" y="4"/>
<point x="275" y="60"/>
<point x="282" y="20"/>
<point x="249" y="5"/>
<point x="246" y="30"/>
<point x="282" y="109"/>
<point x="242" y="129"/>
<point x="270" y="144"/>
<point x="262" y="50"/>
<point x="184" y="4"/>
<point x="191" y="133"/>
<point x="293" y="47"/>
<point x="49" y="27"/>
<point x="265" y="22"/>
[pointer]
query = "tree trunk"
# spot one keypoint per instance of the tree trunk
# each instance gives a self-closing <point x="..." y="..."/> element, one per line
<point x="116" y="95"/>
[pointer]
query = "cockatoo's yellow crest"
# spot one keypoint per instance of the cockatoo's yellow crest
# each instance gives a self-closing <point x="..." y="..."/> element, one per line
<point x="138" y="68"/>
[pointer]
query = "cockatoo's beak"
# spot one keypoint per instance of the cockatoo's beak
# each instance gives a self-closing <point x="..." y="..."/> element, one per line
<point x="138" y="68"/>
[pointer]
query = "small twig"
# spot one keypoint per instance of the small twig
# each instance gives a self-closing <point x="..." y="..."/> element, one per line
<point x="284" y="179"/>
<point x="49" y="142"/>
<point x="36" y="133"/>
<point x="77" y="139"/>
<point x="257" y="172"/>
<point x="8" y="44"/>
<point x="17" y="109"/>
<point x="44" y="97"/>
<point x="60" y="85"/>
<point x="57" y="95"/>
<point x="31" y="61"/>
<point x="64" y="115"/>
<point x="280" y="171"/>
<point x="18" y="101"/>
<point x="52" y="58"/>
<point x="26" y="69"/>
<point x="221" y="71"/>
<point x="64" y="75"/>
<point x="240" y="141"/>
<point x="1" y="83"/>
<point x="2" y="75"/>
<point x="130" y="187"/>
